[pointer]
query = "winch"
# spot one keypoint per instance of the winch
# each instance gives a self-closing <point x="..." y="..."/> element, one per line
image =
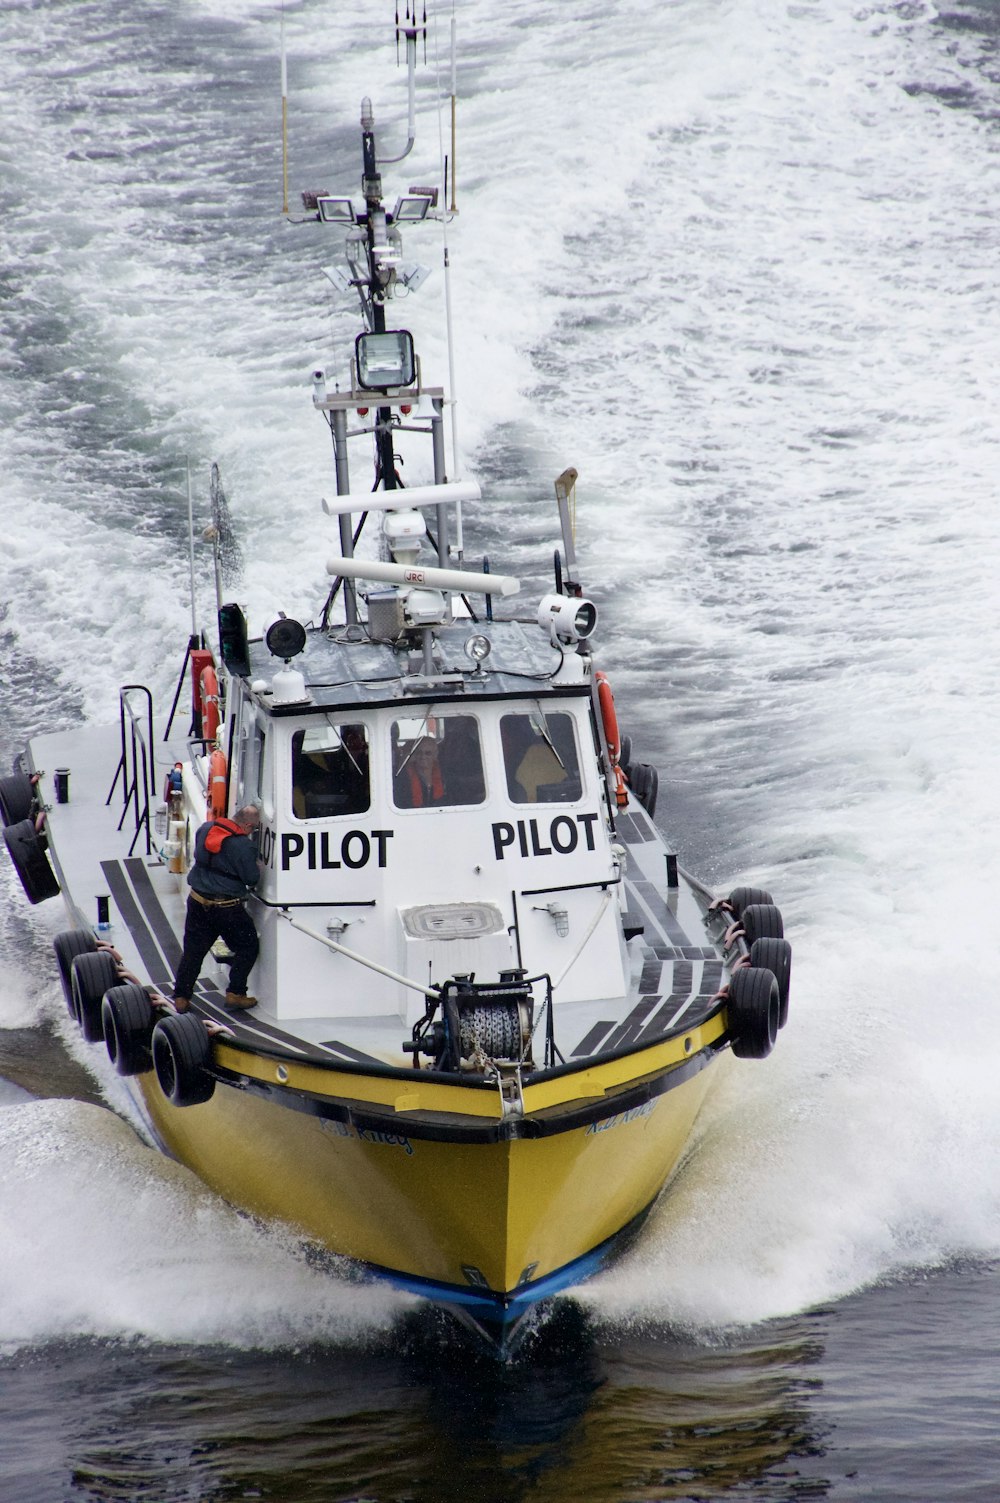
<point x="469" y="1025"/>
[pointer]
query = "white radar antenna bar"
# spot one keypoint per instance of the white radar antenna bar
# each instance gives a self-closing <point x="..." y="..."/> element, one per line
<point x="465" y="580"/>
<point x="449" y="493"/>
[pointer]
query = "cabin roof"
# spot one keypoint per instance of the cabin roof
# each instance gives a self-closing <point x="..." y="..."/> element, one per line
<point x="342" y="672"/>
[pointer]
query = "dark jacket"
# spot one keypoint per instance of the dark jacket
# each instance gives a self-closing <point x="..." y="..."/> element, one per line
<point x="232" y="872"/>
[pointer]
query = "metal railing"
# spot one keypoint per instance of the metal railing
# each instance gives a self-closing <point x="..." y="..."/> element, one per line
<point x="136" y="766"/>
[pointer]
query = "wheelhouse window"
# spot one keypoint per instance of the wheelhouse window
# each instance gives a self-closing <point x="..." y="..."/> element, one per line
<point x="539" y="754"/>
<point x="437" y="762"/>
<point x="330" y="771"/>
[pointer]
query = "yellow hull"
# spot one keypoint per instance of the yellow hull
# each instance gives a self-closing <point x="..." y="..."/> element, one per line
<point x="450" y="1192"/>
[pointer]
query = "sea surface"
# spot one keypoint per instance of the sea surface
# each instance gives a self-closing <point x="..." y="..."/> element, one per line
<point x="735" y="260"/>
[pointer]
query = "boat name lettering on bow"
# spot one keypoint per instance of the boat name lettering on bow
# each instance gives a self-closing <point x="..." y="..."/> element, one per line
<point x="563" y="836"/>
<point x="325" y="850"/>
<point x="390" y="1139"/>
<point x="368" y="1135"/>
<point x="645" y="1110"/>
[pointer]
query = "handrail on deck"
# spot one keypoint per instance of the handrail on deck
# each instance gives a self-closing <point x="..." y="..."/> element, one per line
<point x="136" y="766"/>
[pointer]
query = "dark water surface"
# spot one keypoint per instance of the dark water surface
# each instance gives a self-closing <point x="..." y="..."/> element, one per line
<point x="870" y="1399"/>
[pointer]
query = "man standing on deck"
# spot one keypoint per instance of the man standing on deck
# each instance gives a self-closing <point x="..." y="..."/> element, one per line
<point x="225" y="870"/>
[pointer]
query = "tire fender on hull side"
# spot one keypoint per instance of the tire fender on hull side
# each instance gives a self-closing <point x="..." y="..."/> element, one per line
<point x="182" y="1057"/>
<point x="30" y="861"/>
<point x="775" y="955"/>
<point x="128" y="1020"/>
<point x="752" y="1011"/>
<point x="91" y="974"/>
<point x="17" y="797"/>
<point x="68" y="945"/>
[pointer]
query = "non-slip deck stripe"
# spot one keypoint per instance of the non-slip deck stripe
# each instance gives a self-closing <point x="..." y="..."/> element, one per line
<point x="350" y="1053"/>
<point x="663" y="916"/>
<point x="629" y="1030"/>
<point x="151" y="907"/>
<point x="590" y="1041"/>
<point x="631" y="829"/>
<point x="135" y="923"/>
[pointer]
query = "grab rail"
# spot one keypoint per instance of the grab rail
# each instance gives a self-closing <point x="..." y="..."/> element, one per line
<point x="136" y="765"/>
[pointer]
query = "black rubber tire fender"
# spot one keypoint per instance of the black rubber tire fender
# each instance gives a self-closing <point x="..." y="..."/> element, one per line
<point x="182" y="1055"/>
<point x="90" y="976"/>
<point x="650" y="787"/>
<point x="625" y="755"/>
<point x="128" y="1019"/>
<point x="30" y="861"/>
<point x="775" y="955"/>
<point x="742" y="897"/>
<point x="17" y="797"/>
<point x="752" y="1012"/>
<point x="762" y="921"/>
<point x="68" y="945"/>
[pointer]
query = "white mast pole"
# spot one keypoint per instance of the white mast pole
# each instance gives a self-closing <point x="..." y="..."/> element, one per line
<point x="284" y="117"/>
<point x="455" y="453"/>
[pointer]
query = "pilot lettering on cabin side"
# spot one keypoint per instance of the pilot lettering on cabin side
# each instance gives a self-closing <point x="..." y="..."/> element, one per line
<point x="563" y="836"/>
<point x="325" y="851"/>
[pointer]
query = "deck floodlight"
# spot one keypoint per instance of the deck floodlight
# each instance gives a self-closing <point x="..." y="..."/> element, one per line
<point x="478" y="648"/>
<point x="335" y="210"/>
<point x="385" y="360"/>
<point x="567" y="618"/>
<point x="411" y="208"/>
<point x="285" y="638"/>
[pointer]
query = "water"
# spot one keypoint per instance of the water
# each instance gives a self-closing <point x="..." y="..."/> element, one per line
<point x="786" y="516"/>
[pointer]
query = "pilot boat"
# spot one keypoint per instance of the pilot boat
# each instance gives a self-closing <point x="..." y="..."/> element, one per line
<point x="490" y="1000"/>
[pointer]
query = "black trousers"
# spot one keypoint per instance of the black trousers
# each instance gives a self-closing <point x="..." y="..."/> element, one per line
<point x="202" y="927"/>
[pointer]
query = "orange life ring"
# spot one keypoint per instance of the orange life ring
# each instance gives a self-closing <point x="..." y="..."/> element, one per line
<point x="609" y="719"/>
<point x="217" y="784"/>
<point x="209" y="702"/>
<point x="607" y="702"/>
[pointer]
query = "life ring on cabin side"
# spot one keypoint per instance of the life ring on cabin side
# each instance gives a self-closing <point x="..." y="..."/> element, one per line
<point x="182" y="1055"/>
<point x="209" y="682"/>
<point x="609" y="720"/>
<point x="217" y="784"/>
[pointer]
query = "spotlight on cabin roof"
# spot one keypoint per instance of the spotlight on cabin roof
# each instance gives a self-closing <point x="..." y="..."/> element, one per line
<point x="285" y="638"/>
<point x="566" y="618"/>
<point x="478" y="648"/>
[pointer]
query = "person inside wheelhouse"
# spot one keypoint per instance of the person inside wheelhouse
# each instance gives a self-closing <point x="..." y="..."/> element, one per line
<point x="437" y="762"/>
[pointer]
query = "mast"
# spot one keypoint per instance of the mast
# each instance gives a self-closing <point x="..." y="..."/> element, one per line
<point x="379" y="278"/>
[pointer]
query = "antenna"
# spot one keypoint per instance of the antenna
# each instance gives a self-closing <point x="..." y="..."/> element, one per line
<point x="410" y="31"/>
<point x="566" y="500"/>
<point x="284" y="117"/>
<point x="454" y="108"/>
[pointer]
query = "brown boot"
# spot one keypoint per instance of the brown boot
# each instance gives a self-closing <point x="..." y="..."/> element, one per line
<point x="181" y="1004"/>
<point x="237" y="1001"/>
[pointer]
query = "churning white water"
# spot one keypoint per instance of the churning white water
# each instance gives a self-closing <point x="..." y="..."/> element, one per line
<point x="736" y="262"/>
